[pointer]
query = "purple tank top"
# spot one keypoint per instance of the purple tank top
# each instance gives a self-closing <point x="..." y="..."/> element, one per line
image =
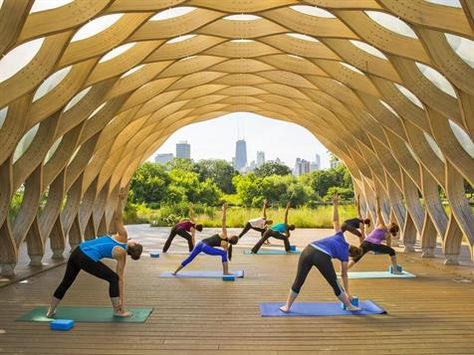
<point x="376" y="236"/>
<point x="186" y="225"/>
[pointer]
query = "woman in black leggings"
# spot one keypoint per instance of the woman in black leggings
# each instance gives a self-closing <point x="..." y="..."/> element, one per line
<point x="319" y="254"/>
<point x="373" y="242"/>
<point x="87" y="256"/>
<point x="185" y="228"/>
<point x="359" y="222"/>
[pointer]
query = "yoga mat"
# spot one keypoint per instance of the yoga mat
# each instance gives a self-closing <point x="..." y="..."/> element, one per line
<point x="176" y="252"/>
<point x="200" y="274"/>
<point x="87" y="314"/>
<point x="309" y="309"/>
<point x="379" y="275"/>
<point x="272" y="252"/>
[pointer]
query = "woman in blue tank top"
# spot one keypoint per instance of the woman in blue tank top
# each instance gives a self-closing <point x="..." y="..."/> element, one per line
<point x="280" y="231"/>
<point x="87" y="257"/>
<point x="319" y="254"/>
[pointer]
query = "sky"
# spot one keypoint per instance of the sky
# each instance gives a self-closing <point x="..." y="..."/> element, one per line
<point x="215" y="139"/>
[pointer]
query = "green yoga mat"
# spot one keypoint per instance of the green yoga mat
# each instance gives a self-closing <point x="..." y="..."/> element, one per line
<point x="87" y="314"/>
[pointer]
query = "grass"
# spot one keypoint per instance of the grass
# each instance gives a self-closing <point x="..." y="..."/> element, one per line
<point x="304" y="217"/>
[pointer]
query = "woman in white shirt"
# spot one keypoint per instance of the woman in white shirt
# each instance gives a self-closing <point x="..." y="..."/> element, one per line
<point x="259" y="224"/>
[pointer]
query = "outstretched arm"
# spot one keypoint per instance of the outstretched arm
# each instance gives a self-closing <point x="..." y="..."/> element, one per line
<point x="344" y="277"/>
<point x="380" y="221"/>
<point x="192" y="215"/>
<point x="288" y="205"/>
<point x="359" y="214"/>
<point x="121" y="258"/>
<point x="224" y="213"/>
<point x="264" y="211"/>
<point x="362" y="233"/>
<point x="335" y="213"/>
<point x="118" y="216"/>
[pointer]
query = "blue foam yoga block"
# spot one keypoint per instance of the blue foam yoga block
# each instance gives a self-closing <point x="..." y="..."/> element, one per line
<point x="293" y="247"/>
<point x="228" y="277"/>
<point x="61" y="324"/>
<point x="154" y="254"/>
<point x="354" y="301"/>
<point x="399" y="269"/>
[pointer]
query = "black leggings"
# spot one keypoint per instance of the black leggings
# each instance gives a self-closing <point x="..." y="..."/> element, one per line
<point x="182" y="233"/>
<point x="248" y="227"/>
<point x="271" y="233"/>
<point x="79" y="261"/>
<point x="313" y="257"/>
<point x="378" y="248"/>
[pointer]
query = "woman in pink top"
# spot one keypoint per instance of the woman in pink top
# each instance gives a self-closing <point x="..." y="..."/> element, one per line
<point x="185" y="228"/>
<point x="373" y="242"/>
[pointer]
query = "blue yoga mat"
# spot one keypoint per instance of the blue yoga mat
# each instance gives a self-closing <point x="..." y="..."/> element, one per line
<point x="272" y="252"/>
<point x="308" y="309"/>
<point x="379" y="275"/>
<point x="200" y="274"/>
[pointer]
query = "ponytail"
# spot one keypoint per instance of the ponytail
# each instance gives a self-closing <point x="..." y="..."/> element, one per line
<point x="229" y="252"/>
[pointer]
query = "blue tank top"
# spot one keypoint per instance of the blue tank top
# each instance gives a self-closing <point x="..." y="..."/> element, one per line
<point x="101" y="247"/>
<point x="281" y="228"/>
<point x="335" y="246"/>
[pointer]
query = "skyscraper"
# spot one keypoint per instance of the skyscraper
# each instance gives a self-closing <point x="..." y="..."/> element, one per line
<point x="316" y="165"/>
<point x="301" y="167"/>
<point x="183" y="150"/>
<point x="318" y="162"/>
<point x="240" y="154"/>
<point x="164" y="158"/>
<point x="260" y="159"/>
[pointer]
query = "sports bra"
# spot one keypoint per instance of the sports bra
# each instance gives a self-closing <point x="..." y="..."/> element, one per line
<point x="214" y="241"/>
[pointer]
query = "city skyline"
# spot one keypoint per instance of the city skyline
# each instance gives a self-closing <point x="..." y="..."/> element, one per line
<point x="277" y="139"/>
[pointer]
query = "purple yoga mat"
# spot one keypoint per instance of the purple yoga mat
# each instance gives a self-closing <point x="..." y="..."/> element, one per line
<point x="307" y="309"/>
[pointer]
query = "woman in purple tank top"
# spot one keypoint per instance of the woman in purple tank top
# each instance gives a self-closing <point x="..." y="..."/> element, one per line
<point x="373" y="242"/>
<point x="320" y="254"/>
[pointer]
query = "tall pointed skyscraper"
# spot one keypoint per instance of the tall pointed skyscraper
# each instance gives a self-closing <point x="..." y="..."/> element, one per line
<point x="240" y="154"/>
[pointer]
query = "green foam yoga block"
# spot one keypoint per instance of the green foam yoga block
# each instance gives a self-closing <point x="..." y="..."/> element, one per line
<point x="87" y="314"/>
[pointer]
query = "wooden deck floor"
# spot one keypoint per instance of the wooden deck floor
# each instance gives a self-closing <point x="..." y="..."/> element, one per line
<point x="432" y="314"/>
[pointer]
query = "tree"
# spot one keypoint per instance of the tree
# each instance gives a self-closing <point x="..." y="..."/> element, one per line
<point x="248" y="188"/>
<point x="180" y="163"/>
<point x="344" y="193"/>
<point x="195" y="191"/>
<point x="219" y="171"/>
<point x="149" y="184"/>
<point x="272" y="168"/>
<point x="322" y="180"/>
